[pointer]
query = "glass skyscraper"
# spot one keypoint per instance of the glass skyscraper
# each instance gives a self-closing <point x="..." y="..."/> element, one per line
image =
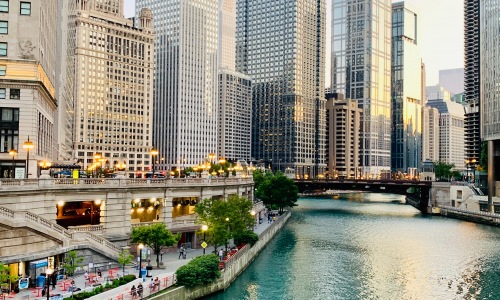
<point x="361" y="69"/>
<point x="280" y="44"/>
<point x="406" y="90"/>
<point x="186" y="80"/>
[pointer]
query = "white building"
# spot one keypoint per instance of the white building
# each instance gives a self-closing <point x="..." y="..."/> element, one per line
<point x="186" y="80"/>
<point x="430" y="134"/>
<point x="113" y="87"/>
<point x="27" y="80"/>
<point x="362" y="71"/>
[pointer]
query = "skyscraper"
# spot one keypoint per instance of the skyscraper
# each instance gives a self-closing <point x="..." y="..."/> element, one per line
<point x="186" y="79"/>
<point x="406" y="90"/>
<point x="489" y="91"/>
<point x="452" y="80"/>
<point x="361" y="59"/>
<point x="281" y="46"/>
<point x="113" y="86"/>
<point x="472" y="78"/>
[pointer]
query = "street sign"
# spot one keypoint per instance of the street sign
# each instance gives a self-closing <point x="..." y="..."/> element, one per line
<point x="51" y="264"/>
<point x="204" y="245"/>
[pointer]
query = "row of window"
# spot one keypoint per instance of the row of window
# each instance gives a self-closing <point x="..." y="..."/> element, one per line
<point x="25" y="7"/>
<point x="14" y="93"/>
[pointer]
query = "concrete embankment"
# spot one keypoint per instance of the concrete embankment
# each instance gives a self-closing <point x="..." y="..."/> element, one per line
<point x="231" y="271"/>
<point x="472" y="216"/>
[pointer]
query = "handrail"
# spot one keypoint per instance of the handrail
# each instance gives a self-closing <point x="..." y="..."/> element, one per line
<point x="87" y="228"/>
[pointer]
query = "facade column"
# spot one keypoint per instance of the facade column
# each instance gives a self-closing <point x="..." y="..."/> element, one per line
<point x="166" y="216"/>
<point x="115" y="217"/>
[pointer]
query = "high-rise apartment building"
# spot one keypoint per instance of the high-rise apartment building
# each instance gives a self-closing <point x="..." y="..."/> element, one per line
<point x="452" y="80"/>
<point x="186" y="80"/>
<point x="281" y="46"/>
<point x="343" y="129"/>
<point x="430" y="134"/>
<point x="406" y="133"/>
<point x="472" y="79"/>
<point x="361" y="59"/>
<point x="451" y="128"/>
<point x="114" y="63"/>
<point x="27" y="78"/>
<point x="489" y="96"/>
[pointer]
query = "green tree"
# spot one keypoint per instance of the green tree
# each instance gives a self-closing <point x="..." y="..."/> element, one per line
<point x="260" y="176"/>
<point x="278" y="190"/>
<point x="71" y="262"/>
<point x="443" y="170"/>
<point x="155" y="236"/>
<point x="225" y="218"/>
<point x="200" y="270"/>
<point x="483" y="160"/>
<point x="124" y="258"/>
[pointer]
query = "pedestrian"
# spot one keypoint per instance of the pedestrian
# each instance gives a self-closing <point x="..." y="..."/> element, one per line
<point x="274" y="218"/>
<point x="45" y="290"/>
<point x="133" y="291"/>
<point x="99" y="273"/>
<point x="184" y="252"/>
<point x="221" y="254"/>
<point x="53" y="279"/>
<point x="181" y="251"/>
<point x="139" y="289"/>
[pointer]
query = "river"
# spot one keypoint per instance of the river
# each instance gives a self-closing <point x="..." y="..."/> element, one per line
<point x="372" y="246"/>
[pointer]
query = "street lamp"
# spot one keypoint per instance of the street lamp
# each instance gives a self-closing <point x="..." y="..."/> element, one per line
<point x="140" y="246"/>
<point x="211" y="157"/>
<point x="13" y="153"/>
<point x="28" y="145"/>
<point x="204" y="228"/>
<point x="253" y="215"/>
<point x="49" y="272"/>
<point x="153" y="153"/>
<point x="227" y="220"/>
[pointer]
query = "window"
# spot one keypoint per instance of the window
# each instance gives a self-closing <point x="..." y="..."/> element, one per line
<point x="3" y="70"/>
<point x="2" y="93"/>
<point x="3" y="49"/>
<point x="15" y="94"/>
<point x="4" y="5"/>
<point x="4" y="27"/>
<point x="9" y="129"/>
<point x="25" y="8"/>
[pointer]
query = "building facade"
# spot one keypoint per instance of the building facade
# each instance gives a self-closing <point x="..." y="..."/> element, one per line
<point x="186" y="80"/>
<point x="113" y="87"/>
<point x="452" y="80"/>
<point x="362" y="71"/>
<point x="27" y="93"/>
<point x="235" y="116"/>
<point x="430" y="134"/>
<point x="281" y="46"/>
<point x="406" y="133"/>
<point x="489" y="96"/>
<point x="343" y="117"/>
<point x="472" y="79"/>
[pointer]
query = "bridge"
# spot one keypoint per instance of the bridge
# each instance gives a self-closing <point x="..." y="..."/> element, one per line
<point x="416" y="192"/>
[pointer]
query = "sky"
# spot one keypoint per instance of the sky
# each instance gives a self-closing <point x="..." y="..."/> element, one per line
<point x="441" y="34"/>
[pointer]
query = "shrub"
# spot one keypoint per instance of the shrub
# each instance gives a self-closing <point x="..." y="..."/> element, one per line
<point x="201" y="270"/>
<point x="246" y="237"/>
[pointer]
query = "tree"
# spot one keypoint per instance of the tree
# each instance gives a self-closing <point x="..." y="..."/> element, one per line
<point x="155" y="236"/>
<point x="260" y="176"/>
<point x="278" y="190"/>
<point x="71" y="262"/>
<point x="201" y="270"/>
<point x="483" y="160"/>
<point x="124" y="258"/>
<point x="443" y="170"/>
<point x="225" y="218"/>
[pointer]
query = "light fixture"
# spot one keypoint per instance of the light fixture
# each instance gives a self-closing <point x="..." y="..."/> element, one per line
<point x="97" y="201"/>
<point x="60" y="203"/>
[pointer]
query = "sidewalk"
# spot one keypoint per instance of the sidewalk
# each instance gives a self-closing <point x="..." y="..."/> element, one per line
<point x="171" y="263"/>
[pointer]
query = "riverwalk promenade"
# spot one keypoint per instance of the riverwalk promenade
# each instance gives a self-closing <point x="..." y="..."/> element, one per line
<point x="165" y="274"/>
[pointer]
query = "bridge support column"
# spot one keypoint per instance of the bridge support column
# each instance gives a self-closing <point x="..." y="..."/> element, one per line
<point x="116" y="220"/>
<point x="166" y="216"/>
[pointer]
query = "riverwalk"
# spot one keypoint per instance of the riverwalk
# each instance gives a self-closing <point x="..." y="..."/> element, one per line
<point x="165" y="274"/>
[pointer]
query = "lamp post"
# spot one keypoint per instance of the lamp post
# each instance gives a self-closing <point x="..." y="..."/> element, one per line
<point x="13" y="153"/>
<point x="28" y="145"/>
<point x="49" y="272"/>
<point x="227" y="222"/>
<point x="204" y="228"/>
<point x="140" y="246"/>
<point x="153" y="153"/>
<point x="253" y="215"/>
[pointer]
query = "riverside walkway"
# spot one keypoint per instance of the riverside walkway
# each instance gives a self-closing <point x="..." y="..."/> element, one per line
<point x="171" y="263"/>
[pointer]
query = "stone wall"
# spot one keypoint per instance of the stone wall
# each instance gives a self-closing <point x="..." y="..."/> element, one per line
<point x="231" y="272"/>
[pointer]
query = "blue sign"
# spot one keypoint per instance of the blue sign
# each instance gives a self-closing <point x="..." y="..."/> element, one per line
<point x="39" y="264"/>
<point x="23" y="283"/>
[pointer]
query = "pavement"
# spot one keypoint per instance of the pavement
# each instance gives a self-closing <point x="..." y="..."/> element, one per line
<point x="171" y="263"/>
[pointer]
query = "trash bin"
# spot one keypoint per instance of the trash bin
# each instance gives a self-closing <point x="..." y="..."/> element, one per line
<point x="40" y="281"/>
<point x="148" y="269"/>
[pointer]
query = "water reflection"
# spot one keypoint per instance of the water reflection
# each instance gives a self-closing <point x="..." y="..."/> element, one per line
<point x="371" y="247"/>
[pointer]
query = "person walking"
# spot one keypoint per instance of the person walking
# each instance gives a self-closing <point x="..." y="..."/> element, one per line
<point x="181" y="251"/>
<point x="139" y="290"/>
<point x="184" y="253"/>
<point x="221" y="254"/>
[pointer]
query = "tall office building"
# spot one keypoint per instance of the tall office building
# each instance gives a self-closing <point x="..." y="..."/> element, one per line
<point x="489" y="92"/>
<point x="362" y="71"/>
<point x="281" y="46"/>
<point x="27" y="79"/>
<point x="186" y="80"/>
<point x="472" y="79"/>
<point x="343" y="121"/>
<point x="227" y="34"/>
<point x="430" y="134"/>
<point x="452" y="80"/>
<point x="113" y="86"/>
<point x="406" y="133"/>
<point x="451" y="128"/>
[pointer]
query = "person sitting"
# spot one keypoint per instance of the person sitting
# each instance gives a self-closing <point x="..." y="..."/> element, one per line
<point x="139" y="289"/>
<point x="133" y="291"/>
<point x="157" y="283"/>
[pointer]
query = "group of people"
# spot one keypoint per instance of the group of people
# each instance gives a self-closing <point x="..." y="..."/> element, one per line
<point x="154" y="284"/>
<point x="182" y="252"/>
<point x="271" y="217"/>
<point x="136" y="291"/>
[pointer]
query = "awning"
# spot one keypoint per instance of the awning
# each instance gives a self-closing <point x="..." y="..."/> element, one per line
<point x="65" y="166"/>
<point x="38" y="263"/>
